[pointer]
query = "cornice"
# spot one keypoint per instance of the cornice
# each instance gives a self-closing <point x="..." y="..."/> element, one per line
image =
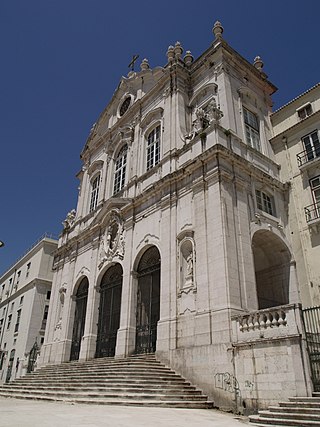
<point x="289" y="131"/>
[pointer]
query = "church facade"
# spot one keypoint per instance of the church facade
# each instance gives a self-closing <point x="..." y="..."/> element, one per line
<point x="180" y="243"/>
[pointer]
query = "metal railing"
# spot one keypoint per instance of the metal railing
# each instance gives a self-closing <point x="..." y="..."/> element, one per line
<point x="312" y="212"/>
<point x="308" y="155"/>
<point x="311" y="317"/>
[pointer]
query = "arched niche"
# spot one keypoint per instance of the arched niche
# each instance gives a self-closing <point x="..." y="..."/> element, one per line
<point x="272" y="269"/>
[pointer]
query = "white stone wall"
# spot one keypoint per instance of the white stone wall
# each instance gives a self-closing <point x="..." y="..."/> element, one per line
<point x="198" y="207"/>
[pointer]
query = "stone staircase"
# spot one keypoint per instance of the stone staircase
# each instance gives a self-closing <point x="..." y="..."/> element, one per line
<point x="136" y="380"/>
<point x="298" y="411"/>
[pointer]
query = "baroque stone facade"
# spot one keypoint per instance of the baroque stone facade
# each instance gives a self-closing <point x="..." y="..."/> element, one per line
<point x="180" y="243"/>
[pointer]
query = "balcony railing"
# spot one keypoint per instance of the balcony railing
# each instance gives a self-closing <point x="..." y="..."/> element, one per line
<point x="312" y="212"/>
<point x="308" y="155"/>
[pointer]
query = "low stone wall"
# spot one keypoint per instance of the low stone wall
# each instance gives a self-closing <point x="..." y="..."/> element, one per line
<point x="270" y="358"/>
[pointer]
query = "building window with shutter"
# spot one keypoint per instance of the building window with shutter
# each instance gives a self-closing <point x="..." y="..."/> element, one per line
<point x="252" y="132"/>
<point x="120" y="170"/>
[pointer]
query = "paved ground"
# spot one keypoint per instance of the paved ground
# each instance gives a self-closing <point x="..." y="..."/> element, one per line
<point x="28" y="413"/>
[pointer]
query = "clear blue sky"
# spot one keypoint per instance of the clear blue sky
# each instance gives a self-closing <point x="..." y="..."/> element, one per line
<point x="61" y="61"/>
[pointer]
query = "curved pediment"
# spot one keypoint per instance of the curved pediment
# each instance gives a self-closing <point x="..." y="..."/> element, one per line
<point x="97" y="165"/>
<point x="153" y="115"/>
<point x="203" y="94"/>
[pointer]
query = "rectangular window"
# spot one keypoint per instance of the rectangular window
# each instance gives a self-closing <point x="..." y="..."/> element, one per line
<point x="21" y="300"/>
<point x="18" y="276"/>
<point x="9" y="321"/>
<point x="94" y="193"/>
<point x="45" y="317"/>
<point x="11" y="309"/>
<point x="265" y="202"/>
<point x="315" y="187"/>
<point x="153" y="148"/>
<point x="16" y="328"/>
<point x="1" y="326"/>
<point x="304" y="111"/>
<point x="120" y="171"/>
<point x="252" y="129"/>
<point x="312" y="145"/>
<point x="28" y="269"/>
<point x="48" y="294"/>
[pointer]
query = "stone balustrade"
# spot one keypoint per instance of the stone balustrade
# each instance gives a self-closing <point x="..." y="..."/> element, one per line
<point x="270" y="323"/>
<point x="263" y="319"/>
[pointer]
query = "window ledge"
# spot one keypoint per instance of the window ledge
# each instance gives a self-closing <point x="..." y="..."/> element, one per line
<point x="261" y="216"/>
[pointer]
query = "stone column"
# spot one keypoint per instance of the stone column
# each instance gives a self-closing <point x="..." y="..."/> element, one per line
<point x="126" y="332"/>
<point x="89" y="339"/>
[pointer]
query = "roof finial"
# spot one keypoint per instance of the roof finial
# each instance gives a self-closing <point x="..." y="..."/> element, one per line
<point x="144" y="65"/>
<point x="170" y="53"/>
<point x="217" y="30"/>
<point x="178" y="50"/>
<point x="258" y="63"/>
<point x="188" y="58"/>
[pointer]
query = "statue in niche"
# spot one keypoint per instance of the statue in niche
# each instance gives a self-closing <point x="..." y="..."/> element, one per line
<point x="188" y="279"/>
<point x="58" y="327"/>
<point x="189" y="265"/>
<point x="112" y="243"/>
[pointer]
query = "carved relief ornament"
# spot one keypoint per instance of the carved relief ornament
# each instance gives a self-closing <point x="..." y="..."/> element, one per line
<point x="112" y="241"/>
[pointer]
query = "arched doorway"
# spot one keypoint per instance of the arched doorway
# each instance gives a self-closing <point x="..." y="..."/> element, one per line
<point x="79" y="318"/>
<point x="272" y="269"/>
<point x="148" y="301"/>
<point x="109" y="311"/>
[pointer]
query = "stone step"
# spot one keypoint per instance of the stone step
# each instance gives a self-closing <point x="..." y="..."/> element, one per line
<point x="300" y="404"/>
<point x="150" y="371"/>
<point x="120" y="389"/>
<point x="290" y="415"/>
<point x="295" y="410"/>
<point x="305" y="399"/>
<point x="105" y="380"/>
<point x="79" y="365"/>
<point x="265" y="421"/>
<point x="109" y="381"/>
<point x="118" y="401"/>
<point x="107" y="395"/>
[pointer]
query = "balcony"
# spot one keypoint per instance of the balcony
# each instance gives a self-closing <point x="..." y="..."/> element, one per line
<point x="312" y="212"/>
<point x="307" y="156"/>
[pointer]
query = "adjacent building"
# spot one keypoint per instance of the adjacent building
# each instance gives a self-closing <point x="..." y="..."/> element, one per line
<point x="25" y="291"/>
<point x="181" y="242"/>
<point x="297" y="149"/>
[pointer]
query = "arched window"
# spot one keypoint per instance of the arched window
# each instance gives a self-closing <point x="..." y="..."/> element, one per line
<point x="153" y="148"/>
<point x="94" y="193"/>
<point x="120" y="170"/>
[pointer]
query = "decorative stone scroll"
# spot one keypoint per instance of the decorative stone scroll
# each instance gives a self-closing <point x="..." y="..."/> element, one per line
<point x="69" y="221"/>
<point x="211" y="114"/>
<point x="112" y="242"/>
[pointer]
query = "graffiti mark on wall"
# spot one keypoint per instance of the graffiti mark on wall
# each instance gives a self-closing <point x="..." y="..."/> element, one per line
<point x="227" y="382"/>
<point x="249" y="384"/>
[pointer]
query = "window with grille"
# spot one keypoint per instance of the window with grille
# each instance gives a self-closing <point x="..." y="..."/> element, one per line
<point x="120" y="170"/>
<point x="252" y="129"/>
<point x="304" y="111"/>
<point x="153" y="148"/>
<point x="265" y="202"/>
<point x="94" y="193"/>
<point x="312" y="145"/>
